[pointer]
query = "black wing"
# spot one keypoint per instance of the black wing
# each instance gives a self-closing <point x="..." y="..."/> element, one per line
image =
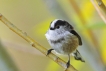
<point x="76" y="34"/>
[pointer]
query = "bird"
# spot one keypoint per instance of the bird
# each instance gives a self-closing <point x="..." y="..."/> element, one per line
<point x="64" y="39"/>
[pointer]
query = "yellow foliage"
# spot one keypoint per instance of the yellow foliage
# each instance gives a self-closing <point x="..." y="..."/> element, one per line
<point x="104" y="1"/>
<point x="88" y="10"/>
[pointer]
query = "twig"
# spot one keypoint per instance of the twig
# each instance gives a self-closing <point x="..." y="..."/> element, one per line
<point x="99" y="12"/>
<point x="101" y="5"/>
<point x="35" y="44"/>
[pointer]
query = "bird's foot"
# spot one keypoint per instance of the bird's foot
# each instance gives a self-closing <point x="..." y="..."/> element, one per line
<point x="68" y="64"/>
<point x="49" y="51"/>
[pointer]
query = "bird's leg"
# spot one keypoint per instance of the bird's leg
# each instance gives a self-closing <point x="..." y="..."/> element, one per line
<point x="49" y="51"/>
<point x="68" y="63"/>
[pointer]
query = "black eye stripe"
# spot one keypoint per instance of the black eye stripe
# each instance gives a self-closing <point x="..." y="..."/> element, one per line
<point x="57" y="27"/>
<point x="52" y="28"/>
<point x="59" y="23"/>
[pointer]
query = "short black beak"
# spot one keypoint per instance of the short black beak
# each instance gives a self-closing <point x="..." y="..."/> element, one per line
<point x="51" y="28"/>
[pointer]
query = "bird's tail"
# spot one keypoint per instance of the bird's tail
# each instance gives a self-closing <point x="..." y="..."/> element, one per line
<point x="77" y="56"/>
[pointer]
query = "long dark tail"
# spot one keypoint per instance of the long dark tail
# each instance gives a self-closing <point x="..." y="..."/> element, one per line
<point x="77" y="56"/>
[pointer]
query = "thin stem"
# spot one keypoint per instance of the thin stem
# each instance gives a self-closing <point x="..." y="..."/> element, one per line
<point x="101" y="5"/>
<point x="99" y="12"/>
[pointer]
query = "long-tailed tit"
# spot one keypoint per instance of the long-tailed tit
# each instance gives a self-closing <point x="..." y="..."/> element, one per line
<point x="64" y="39"/>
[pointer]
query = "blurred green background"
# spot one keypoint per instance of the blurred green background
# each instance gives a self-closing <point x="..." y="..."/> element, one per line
<point x="34" y="17"/>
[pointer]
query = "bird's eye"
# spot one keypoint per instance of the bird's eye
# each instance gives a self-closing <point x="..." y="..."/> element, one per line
<point x="57" y="26"/>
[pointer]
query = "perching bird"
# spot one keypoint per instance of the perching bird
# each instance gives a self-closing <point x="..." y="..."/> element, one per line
<point x="64" y="39"/>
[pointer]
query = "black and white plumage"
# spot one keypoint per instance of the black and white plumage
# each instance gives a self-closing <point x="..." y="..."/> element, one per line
<point x="64" y="39"/>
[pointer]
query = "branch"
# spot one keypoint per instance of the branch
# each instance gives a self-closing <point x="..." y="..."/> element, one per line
<point x="35" y="44"/>
<point x="99" y="12"/>
<point x="101" y="5"/>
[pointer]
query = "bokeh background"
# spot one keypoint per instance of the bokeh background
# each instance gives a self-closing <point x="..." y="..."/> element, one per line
<point x="34" y="17"/>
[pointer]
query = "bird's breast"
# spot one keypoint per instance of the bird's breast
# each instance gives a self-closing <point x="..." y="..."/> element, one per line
<point x="65" y="45"/>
